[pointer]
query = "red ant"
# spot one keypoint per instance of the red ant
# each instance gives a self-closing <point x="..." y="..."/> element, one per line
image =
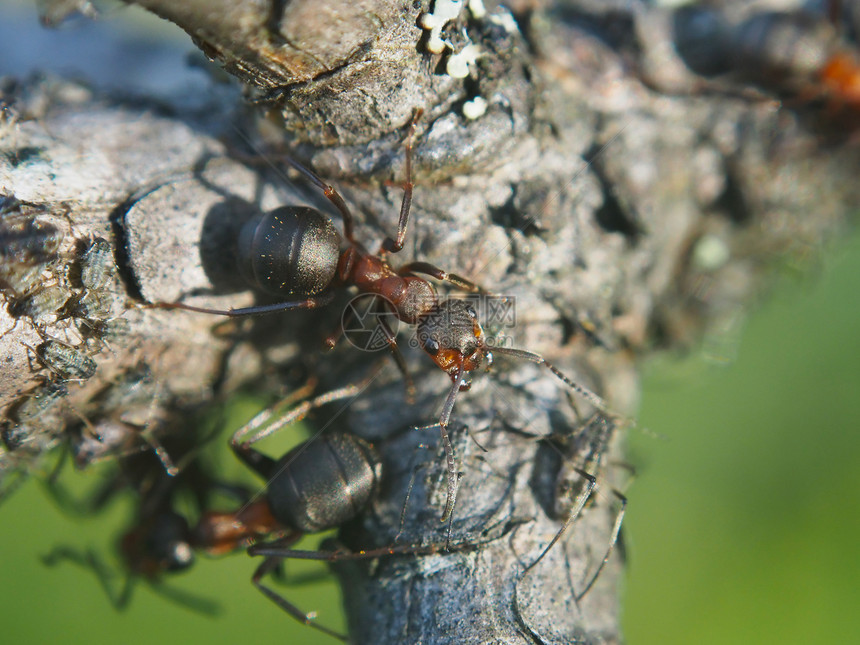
<point x="796" y="54"/>
<point x="796" y="48"/>
<point x="295" y="251"/>
<point x="320" y="484"/>
<point x="325" y="482"/>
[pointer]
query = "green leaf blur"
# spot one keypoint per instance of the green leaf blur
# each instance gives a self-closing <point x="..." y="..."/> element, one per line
<point x="743" y="525"/>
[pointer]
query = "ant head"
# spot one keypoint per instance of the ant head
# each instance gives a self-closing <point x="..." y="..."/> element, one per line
<point x="453" y="337"/>
<point x="161" y="544"/>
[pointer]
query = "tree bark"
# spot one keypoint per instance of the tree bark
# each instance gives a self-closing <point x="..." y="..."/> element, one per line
<point x="617" y="218"/>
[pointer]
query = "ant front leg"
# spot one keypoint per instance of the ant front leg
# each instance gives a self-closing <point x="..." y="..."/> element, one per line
<point x="395" y="245"/>
<point x="426" y="268"/>
<point x="444" y="420"/>
<point x="391" y="339"/>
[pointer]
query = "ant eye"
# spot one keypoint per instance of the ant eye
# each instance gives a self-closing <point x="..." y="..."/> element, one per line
<point x="431" y="346"/>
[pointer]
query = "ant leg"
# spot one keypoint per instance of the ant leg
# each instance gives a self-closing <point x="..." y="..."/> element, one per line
<point x="310" y="303"/>
<point x="581" y="500"/>
<point x="389" y="245"/>
<point x="346" y="321"/>
<point x="451" y="514"/>
<point x="276" y="550"/>
<point x="89" y="559"/>
<point x="391" y="339"/>
<point x="387" y="333"/>
<point x="296" y="414"/>
<point x="350" y="316"/>
<point x="414" y="467"/>
<point x="444" y="420"/>
<point x="613" y="540"/>
<point x="268" y="565"/>
<point x="148" y="436"/>
<point x="583" y="391"/>
<point x="332" y="195"/>
<point x="435" y="272"/>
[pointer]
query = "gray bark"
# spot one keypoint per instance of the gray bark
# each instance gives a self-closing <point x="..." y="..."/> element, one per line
<point x="618" y="218"/>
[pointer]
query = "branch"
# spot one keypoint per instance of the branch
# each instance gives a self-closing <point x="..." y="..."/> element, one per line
<point x="619" y="220"/>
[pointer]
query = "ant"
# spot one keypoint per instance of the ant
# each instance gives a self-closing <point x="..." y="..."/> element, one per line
<point x="158" y="542"/>
<point x="321" y="484"/>
<point x="325" y="482"/>
<point x="797" y="54"/>
<point x="295" y="251"/>
<point x="817" y="61"/>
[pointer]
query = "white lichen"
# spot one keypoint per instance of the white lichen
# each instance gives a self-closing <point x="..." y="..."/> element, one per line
<point x="477" y="9"/>
<point x="458" y="64"/>
<point x="475" y="108"/>
<point x="444" y="11"/>
<point x="505" y="20"/>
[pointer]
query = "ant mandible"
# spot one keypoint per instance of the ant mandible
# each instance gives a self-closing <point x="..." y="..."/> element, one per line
<point x="295" y="251"/>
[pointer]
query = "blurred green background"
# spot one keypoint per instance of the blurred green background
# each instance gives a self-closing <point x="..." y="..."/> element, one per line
<point x="742" y="527"/>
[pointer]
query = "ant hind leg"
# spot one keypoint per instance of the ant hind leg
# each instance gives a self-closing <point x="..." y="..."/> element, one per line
<point x="614" y="539"/>
<point x="257" y="310"/>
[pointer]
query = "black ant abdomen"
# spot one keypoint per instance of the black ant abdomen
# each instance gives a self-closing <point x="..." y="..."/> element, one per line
<point x="320" y="484"/>
<point x="292" y="250"/>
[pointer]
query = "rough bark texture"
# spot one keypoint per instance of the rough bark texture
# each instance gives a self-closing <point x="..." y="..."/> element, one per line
<point x="619" y="218"/>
